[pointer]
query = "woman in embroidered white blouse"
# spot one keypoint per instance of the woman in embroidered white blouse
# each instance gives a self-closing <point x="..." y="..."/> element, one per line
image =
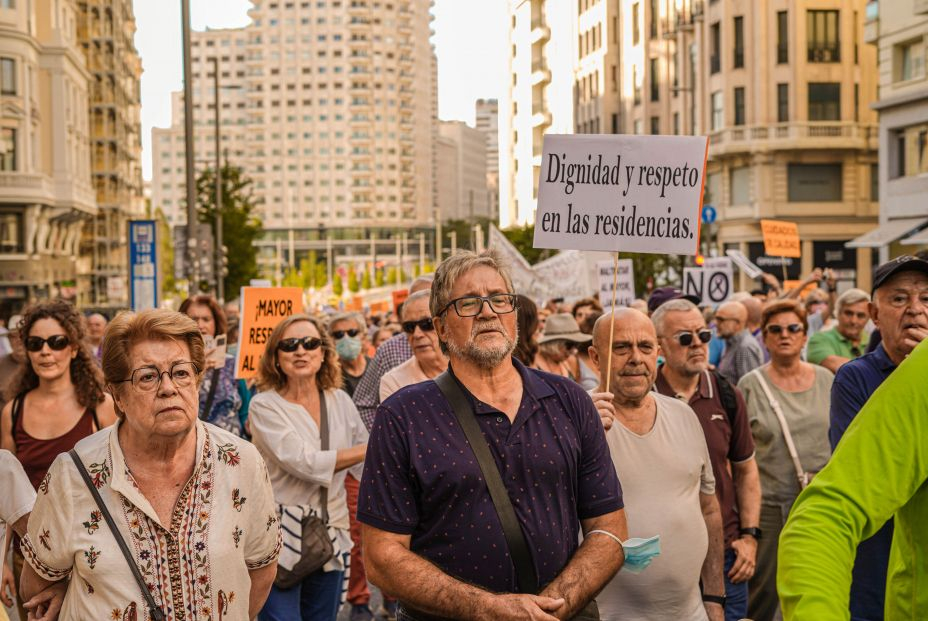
<point x="300" y="366"/>
<point x="193" y="502"/>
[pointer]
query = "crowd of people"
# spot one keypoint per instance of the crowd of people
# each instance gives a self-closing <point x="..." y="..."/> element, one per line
<point x="475" y="455"/>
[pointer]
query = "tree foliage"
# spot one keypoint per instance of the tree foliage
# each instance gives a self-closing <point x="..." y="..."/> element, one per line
<point x="240" y="225"/>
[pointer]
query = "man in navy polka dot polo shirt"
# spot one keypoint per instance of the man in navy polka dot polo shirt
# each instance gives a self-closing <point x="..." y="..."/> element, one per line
<point x="431" y="533"/>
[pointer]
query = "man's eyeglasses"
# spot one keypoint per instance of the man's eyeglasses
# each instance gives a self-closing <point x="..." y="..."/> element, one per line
<point x="340" y="334"/>
<point x="148" y="379"/>
<point x="472" y="305"/>
<point x="425" y="325"/>
<point x="309" y="343"/>
<point x="57" y="342"/>
<point x="793" y="328"/>
<point x="686" y="338"/>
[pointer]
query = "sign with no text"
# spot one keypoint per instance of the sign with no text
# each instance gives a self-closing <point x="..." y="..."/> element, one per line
<point x="262" y="309"/>
<point x="618" y="192"/>
<point x="624" y="282"/>
<point x="781" y="239"/>
<point x="399" y="296"/>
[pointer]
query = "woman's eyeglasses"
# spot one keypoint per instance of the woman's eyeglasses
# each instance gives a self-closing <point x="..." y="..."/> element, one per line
<point x="57" y="342"/>
<point x="309" y="343"/>
<point x="686" y="338"/>
<point x="340" y="334"/>
<point x="147" y="379"/>
<point x="793" y="328"/>
<point x="425" y="325"/>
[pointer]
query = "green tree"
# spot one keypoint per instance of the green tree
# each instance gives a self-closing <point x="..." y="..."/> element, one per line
<point x="391" y="276"/>
<point x="379" y="278"/>
<point x="240" y="226"/>
<point x="337" y="287"/>
<point x="353" y="284"/>
<point x="522" y="238"/>
<point x="366" y="280"/>
<point x="166" y="242"/>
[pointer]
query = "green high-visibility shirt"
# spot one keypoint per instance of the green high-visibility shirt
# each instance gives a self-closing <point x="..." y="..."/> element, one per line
<point x="878" y="471"/>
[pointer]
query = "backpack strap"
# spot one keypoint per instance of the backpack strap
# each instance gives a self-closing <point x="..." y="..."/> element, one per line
<point x="727" y="397"/>
<point x="17" y="413"/>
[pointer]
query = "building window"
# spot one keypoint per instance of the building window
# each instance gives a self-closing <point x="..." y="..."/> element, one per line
<point x="739" y="42"/>
<point x="739" y="105"/>
<point x="652" y="29"/>
<point x="7" y="4"/>
<point x="11" y="233"/>
<point x="874" y="182"/>
<point x="715" y="60"/>
<point x="655" y="80"/>
<point x="676" y="123"/>
<point x="7" y="76"/>
<point x="638" y="127"/>
<point x="911" y="151"/>
<point x="782" y="103"/>
<point x="7" y="149"/>
<point x="824" y="101"/>
<point x="717" y="109"/>
<point x="824" y="39"/>
<point x="655" y="125"/>
<point x="636" y="32"/>
<point x="782" y="37"/>
<point x="814" y="183"/>
<point x="740" y="185"/>
<point x="908" y="61"/>
<point x="636" y="85"/>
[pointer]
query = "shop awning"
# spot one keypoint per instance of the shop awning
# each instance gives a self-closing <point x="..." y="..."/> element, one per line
<point x="919" y="239"/>
<point x="887" y="233"/>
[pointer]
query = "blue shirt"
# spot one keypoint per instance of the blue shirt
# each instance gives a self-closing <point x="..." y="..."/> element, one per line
<point x="853" y="385"/>
<point x="422" y="479"/>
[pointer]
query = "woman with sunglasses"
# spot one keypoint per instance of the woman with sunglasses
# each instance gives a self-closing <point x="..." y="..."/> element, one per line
<point x="56" y="397"/>
<point x="300" y="381"/>
<point x="558" y="346"/>
<point x="348" y="331"/>
<point x="802" y="393"/>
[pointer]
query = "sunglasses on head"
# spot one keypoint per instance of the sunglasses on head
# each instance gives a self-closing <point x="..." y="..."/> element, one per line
<point x="309" y="343"/>
<point x="340" y="334"/>
<point x="424" y="324"/>
<point x="792" y="328"/>
<point x="57" y="342"/>
<point x="686" y="338"/>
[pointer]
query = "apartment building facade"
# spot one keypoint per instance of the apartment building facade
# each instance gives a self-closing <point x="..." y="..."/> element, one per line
<point x="46" y="193"/>
<point x="461" y="173"/>
<point x="487" y="122"/>
<point x="899" y="32"/>
<point x="329" y="106"/>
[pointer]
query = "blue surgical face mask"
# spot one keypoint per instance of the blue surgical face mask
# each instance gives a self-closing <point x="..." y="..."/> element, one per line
<point x="348" y="348"/>
<point x="640" y="552"/>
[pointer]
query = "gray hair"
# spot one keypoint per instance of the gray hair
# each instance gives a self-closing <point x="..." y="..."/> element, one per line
<point x="673" y="306"/>
<point x="418" y="295"/>
<point x="356" y="317"/>
<point x="456" y="266"/>
<point x="851" y="297"/>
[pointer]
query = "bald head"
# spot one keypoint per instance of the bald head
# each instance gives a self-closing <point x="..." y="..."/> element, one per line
<point x="755" y="309"/>
<point x="625" y="318"/>
<point x="731" y="318"/>
<point x="633" y="351"/>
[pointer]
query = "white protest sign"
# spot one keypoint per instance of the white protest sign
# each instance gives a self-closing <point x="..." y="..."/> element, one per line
<point x="624" y="282"/>
<point x="712" y="283"/>
<point x="565" y="275"/>
<point x="617" y="192"/>
<point x="744" y="263"/>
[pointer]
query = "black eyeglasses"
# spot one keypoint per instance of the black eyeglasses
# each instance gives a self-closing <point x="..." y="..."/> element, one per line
<point x="686" y="338"/>
<point x="148" y="379"/>
<point x="792" y="328"/>
<point x="471" y="305"/>
<point x="57" y="342"/>
<point x="424" y="324"/>
<point x="340" y="334"/>
<point x="309" y="343"/>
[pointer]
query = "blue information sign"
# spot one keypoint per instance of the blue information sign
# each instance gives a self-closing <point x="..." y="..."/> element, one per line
<point x="708" y="214"/>
<point x="143" y="264"/>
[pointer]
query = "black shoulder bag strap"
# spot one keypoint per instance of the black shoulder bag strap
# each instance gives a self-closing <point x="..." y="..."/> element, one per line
<point x="211" y="395"/>
<point x="324" y="445"/>
<point x="153" y="610"/>
<point x="515" y="538"/>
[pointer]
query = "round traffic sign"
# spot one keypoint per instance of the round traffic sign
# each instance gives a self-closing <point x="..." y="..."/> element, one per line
<point x="708" y="214"/>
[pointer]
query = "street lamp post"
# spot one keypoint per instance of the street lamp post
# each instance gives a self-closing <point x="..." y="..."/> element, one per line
<point x="192" y="272"/>
<point x="220" y="285"/>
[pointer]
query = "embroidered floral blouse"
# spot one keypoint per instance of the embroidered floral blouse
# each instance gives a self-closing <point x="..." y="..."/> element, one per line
<point x="223" y="525"/>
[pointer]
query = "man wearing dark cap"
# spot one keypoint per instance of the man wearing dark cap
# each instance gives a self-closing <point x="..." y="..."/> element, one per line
<point x="899" y="308"/>
<point x="665" y="294"/>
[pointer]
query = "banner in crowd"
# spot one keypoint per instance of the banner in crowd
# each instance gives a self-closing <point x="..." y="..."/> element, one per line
<point x="566" y="275"/>
<point x="524" y="278"/>
<point x="781" y="239"/>
<point x="262" y="308"/>
<point x="621" y="192"/>
<point x="744" y="263"/>
<point x="712" y="283"/>
<point x="624" y="282"/>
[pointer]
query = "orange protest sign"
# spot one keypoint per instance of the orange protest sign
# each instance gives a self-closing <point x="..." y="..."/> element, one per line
<point x="383" y="306"/>
<point x="262" y="309"/>
<point x="781" y="239"/>
<point x="789" y="285"/>
<point x="355" y="304"/>
<point x="399" y="296"/>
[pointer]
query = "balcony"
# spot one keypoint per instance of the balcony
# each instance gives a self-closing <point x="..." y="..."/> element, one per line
<point x="540" y="73"/>
<point x="803" y="135"/>
<point x="819" y="53"/>
<point x="542" y="118"/>
<point x="540" y="32"/>
<point x="669" y="26"/>
<point x="920" y="7"/>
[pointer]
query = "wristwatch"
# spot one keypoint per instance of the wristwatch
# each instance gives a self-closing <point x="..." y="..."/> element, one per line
<point x="752" y="531"/>
<point x="714" y="599"/>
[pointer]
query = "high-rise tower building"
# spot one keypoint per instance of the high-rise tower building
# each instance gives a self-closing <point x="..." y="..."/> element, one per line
<point x="487" y="116"/>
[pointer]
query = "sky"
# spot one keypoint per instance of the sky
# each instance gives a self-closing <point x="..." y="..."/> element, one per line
<point x="470" y="67"/>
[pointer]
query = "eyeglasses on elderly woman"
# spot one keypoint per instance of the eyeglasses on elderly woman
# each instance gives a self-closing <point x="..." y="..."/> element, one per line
<point x="148" y="379"/>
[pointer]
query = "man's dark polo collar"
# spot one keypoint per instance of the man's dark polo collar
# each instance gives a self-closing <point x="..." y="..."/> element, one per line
<point x="704" y="389"/>
<point x="882" y="359"/>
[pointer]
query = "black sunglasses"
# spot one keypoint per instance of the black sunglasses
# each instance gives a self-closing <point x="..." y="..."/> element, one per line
<point x="309" y="343"/>
<point x="424" y="324"/>
<point x="792" y="328"/>
<point x="57" y="342"/>
<point x="340" y="334"/>
<point x="686" y="338"/>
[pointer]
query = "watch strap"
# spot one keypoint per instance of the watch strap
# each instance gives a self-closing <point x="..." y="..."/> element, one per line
<point x="714" y="599"/>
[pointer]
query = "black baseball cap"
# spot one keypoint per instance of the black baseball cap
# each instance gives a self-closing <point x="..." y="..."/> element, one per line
<point x="664" y="294"/>
<point x="905" y="263"/>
